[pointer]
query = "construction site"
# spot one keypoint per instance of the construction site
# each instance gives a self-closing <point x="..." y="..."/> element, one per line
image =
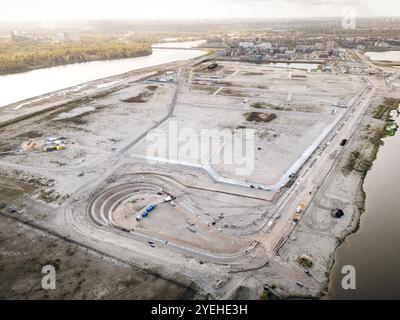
<point x="223" y="229"/>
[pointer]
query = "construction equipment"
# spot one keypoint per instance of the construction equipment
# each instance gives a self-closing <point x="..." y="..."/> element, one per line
<point x="54" y="148"/>
<point x="296" y="215"/>
<point x="300" y="207"/>
<point x="148" y="210"/>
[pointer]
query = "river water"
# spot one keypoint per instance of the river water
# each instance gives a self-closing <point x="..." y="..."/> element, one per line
<point x="20" y="86"/>
<point x="384" y="55"/>
<point x="374" y="249"/>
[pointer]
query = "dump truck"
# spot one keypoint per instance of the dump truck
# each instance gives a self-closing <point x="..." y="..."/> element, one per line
<point x="148" y="210"/>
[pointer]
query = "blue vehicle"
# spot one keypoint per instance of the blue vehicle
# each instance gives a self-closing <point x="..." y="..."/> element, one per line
<point x="148" y="210"/>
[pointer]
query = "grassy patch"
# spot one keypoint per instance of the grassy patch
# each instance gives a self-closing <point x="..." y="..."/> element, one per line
<point x="260" y="117"/>
<point x="207" y="89"/>
<point x="390" y="129"/>
<point x="305" y="262"/>
<point x="30" y="135"/>
<point x="152" y="88"/>
<point x="140" y="98"/>
<point x="10" y="189"/>
<point x="260" y="105"/>
<point x="264" y="296"/>
<point x="383" y="110"/>
<point x="357" y="162"/>
<point x="231" y="92"/>
<point x="75" y="120"/>
<point x="253" y="73"/>
<point x="266" y="105"/>
<point x="47" y="196"/>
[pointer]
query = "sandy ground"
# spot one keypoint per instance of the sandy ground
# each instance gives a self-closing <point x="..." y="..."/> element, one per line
<point x="80" y="273"/>
<point x="59" y="186"/>
<point x="277" y="144"/>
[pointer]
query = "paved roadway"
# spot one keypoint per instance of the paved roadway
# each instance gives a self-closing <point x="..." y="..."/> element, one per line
<point x="313" y="176"/>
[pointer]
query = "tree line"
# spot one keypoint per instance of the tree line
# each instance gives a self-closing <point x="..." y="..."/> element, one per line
<point x="29" y="55"/>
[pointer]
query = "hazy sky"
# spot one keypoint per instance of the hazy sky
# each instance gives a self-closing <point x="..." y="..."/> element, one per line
<point x="39" y="10"/>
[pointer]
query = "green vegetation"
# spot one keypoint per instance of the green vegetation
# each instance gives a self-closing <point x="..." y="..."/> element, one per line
<point x="11" y="190"/>
<point x="383" y="111"/>
<point x="305" y="262"/>
<point x="260" y="117"/>
<point x="264" y="296"/>
<point x="266" y="105"/>
<point x="258" y="105"/>
<point x="374" y="136"/>
<point x="390" y="129"/>
<point x="29" y="55"/>
<point x="231" y="92"/>
<point x="357" y="162"/>
<point x="379" y="112"/>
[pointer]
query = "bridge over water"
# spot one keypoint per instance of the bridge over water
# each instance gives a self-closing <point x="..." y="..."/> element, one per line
<point x="176" y="48"/>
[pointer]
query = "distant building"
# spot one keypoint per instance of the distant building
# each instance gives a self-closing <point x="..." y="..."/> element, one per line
<point x="303" y="48"/>
<point x="319" y="46"/>
<point x="330" y="45"/>
<point x="384" y="45"/>
<point x="264" y="46"/>
<point x="246" y="45"/>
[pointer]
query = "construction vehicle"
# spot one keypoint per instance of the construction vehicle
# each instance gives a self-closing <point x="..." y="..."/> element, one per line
<point x="300" y="207"/>
<point x="151" y="244"/>
<point x="167" y="199"/>
<point x="296" y="215"/>
<point x="148" y="210"/>
<point x="54" y="148"/>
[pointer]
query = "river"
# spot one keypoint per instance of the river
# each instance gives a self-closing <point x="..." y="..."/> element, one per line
<point x="384" y="55"/>
<point x="374" y="249"/>
<point x="21" y="86"/>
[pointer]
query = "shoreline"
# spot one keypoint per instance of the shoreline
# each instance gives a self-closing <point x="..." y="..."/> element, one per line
<point x="40" y="67"/>
<point x="361" y="193"/>
<point x="43" y="81"/>
<point x="309" y="237"/>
